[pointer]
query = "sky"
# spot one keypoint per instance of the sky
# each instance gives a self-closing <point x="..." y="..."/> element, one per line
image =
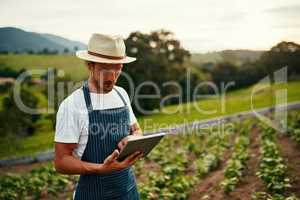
<point x="201" y="26"/>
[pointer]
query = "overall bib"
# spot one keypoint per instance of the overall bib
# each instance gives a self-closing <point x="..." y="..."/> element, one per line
<point x="106" y="128"/>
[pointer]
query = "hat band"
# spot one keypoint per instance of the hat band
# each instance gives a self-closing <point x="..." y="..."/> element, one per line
<point x="106" y="56"/>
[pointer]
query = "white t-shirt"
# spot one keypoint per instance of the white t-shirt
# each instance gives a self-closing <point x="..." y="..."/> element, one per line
<point x="72" y="116"/>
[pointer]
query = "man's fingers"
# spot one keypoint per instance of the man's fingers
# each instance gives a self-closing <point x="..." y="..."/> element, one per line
<point x="115" y="154"/>
<point x="136" y="158"/>
<point x="112" y="157"/>
<point x="122" y="143"/>
<point x="132" y="156"/>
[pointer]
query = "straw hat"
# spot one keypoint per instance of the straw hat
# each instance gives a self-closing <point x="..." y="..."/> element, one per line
<point x="105" y="49"/>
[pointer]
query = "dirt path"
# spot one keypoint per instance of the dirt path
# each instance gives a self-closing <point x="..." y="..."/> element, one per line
<point x="291" y="155"/>
<point x="208" y="183"/>
<point x="209" y="187"/>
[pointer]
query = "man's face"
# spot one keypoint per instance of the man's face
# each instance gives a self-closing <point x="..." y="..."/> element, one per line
<point x="105" y="75"/>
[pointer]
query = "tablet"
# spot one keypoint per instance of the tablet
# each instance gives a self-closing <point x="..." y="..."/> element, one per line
<point x="143" y="143"/>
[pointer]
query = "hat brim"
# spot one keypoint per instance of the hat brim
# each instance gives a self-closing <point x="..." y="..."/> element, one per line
<point x="83" y="54"/>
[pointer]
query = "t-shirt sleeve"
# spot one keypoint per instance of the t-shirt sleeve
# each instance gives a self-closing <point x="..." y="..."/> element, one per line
<point x="67" y="128"/>
<point x="132" y="117"/>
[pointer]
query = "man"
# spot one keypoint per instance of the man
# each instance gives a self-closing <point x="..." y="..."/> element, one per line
<point x="93" y="125"/>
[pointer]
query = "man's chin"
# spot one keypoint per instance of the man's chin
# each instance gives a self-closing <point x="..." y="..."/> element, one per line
<point x="108" y="88"/>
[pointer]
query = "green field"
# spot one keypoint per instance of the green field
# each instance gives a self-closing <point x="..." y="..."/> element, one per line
<point x="70" y="64"/>
<point x="236" y="101"/>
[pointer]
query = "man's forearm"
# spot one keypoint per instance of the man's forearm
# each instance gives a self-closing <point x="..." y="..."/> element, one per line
<point x="70" y="165"/>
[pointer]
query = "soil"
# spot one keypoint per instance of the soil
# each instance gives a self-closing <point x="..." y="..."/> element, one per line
<point x="209" y="188"/>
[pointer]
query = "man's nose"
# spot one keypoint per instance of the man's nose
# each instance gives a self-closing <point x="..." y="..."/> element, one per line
<point x="109" y="75"/>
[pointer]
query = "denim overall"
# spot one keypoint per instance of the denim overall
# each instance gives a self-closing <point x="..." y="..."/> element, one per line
<point x="106" y="128"/>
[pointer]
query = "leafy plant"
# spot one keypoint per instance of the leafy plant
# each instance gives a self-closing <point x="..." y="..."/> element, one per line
<point x="235" y="166"/>
<point x="272" y="169"/>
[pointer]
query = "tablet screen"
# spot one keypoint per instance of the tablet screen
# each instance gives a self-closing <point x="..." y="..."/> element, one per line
<point x="143" y="143"/>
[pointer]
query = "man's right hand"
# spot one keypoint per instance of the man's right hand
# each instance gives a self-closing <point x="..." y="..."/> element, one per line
<point x="111" y="163"/>
<point x="66" y="163"/>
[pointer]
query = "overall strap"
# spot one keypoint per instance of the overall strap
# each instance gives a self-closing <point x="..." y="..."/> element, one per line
<point x="87" y="96"/>
<point x="125" y="103"/>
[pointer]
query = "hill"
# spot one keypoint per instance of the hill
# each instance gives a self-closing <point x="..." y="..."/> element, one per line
<point x="17" y="40"/>
<point x="235" y="56"/>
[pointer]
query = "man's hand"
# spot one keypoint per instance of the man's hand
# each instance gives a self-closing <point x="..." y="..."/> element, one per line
<point x="135" y="129"/>
<point x="66" y="163"/>
<point x="111" y="163"/>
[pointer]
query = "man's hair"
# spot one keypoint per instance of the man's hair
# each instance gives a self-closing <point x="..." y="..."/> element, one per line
<point x="87" y="62"/>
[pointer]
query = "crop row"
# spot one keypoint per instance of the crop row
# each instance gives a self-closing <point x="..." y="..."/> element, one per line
<point x="235" y="166"/>
<point x="272" y="169"/>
